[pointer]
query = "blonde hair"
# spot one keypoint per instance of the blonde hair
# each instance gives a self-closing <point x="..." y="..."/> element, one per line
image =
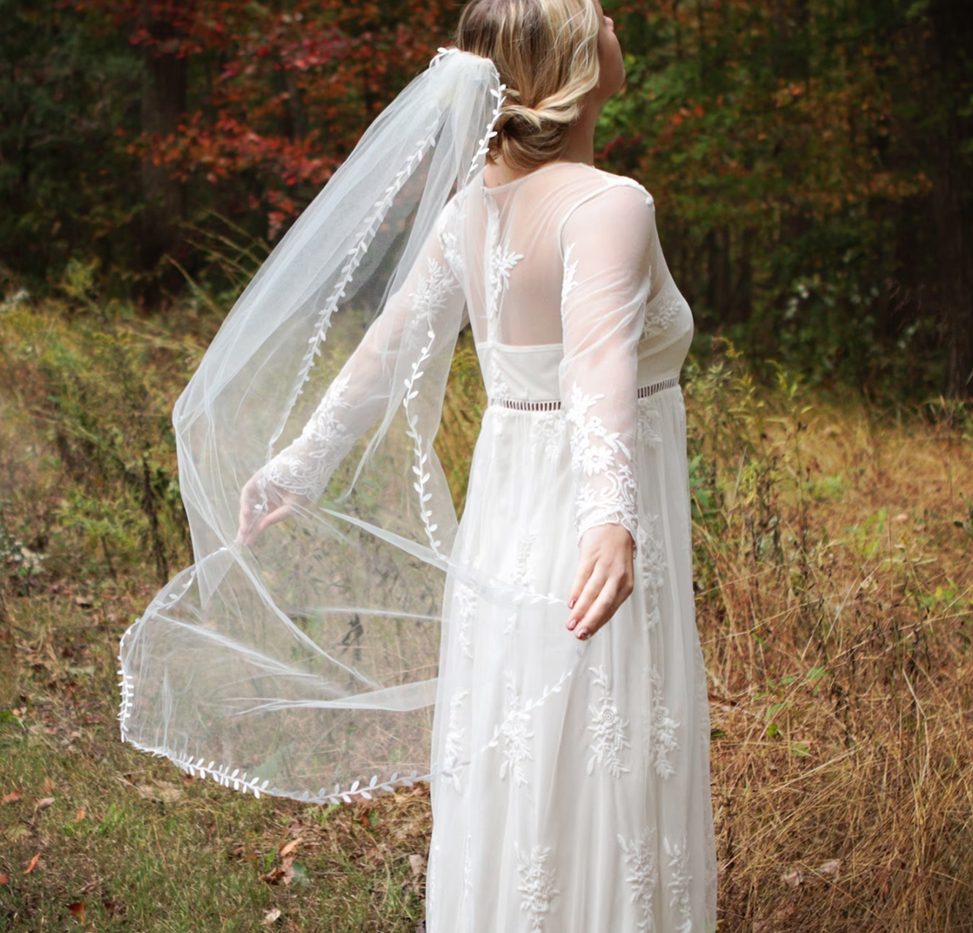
<point x="547" y="54"/>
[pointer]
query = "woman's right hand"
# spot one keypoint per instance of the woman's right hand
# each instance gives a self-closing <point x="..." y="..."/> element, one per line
<point x="280" y="504"/>
<point x="605" y="578"/>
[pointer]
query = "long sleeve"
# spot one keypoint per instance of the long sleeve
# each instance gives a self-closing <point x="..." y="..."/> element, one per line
<point x="360" y="392"/>
<point x="606" y="241"/>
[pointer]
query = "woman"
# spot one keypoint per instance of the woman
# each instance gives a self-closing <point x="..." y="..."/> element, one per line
<point x="568" y="742"/>
<point x="594" y="813"/>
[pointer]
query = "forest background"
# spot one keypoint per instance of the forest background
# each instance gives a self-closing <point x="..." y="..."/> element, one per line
<point x="812" y="166"/>
<point x="812" y="160"/>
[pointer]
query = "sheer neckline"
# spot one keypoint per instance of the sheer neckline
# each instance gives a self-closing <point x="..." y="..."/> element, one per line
<point x="546" y="165"/>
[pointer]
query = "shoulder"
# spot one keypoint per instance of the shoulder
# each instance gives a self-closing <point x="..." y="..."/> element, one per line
<point x="599" y="198"/>
<point x="612" y="180"/>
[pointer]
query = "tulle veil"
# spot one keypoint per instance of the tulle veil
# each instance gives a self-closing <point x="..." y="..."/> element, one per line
<point x="304" y="664"/>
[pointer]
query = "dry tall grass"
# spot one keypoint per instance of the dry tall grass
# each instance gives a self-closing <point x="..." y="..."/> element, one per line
<point x="835" y="606"/>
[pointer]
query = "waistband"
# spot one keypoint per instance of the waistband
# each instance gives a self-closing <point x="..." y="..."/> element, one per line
<point x="529" y="404"/>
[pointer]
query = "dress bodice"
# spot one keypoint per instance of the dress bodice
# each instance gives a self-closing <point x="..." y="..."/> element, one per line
<point x="549" y="285"/>
<point x="531" y="372"/>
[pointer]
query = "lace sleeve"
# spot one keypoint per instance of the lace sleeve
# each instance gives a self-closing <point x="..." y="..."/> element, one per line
<point x="361" y="390"/>
<point x="605" y="242"/>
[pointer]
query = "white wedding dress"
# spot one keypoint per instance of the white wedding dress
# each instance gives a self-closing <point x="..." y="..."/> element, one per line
<point x="590" y="809"/>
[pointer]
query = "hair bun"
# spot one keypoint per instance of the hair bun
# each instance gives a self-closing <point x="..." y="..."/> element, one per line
<point x="546" y="53"/>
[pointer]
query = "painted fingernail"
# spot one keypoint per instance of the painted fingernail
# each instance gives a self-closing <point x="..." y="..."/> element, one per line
<point x="573" y="601"/>
<point x="572" y="622"/>
<point x="582" y="634"/>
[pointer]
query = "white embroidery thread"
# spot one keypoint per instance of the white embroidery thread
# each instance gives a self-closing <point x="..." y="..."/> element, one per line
<point x="608" y="727"/>
<point x="642" y="874"/>
<point x="651" y="559"/>
<point x="307" y="463"/>
<point x="663" y="727"/>
<point x="597" y="451"/>
<point x="679" y="883"/>
<point x="537" y="885"/>
<point x="453" y="746"/>
<point x="516" y="733"/>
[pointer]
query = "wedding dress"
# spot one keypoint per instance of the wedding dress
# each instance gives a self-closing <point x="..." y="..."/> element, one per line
<point x="590" y="809"/>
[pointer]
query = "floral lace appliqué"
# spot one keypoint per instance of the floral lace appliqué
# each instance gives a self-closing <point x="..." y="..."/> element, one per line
<point x="453" y="749"/>
<point x="306" y="465"/>
<point x="515" y="733"/>
<point x="607" y="488"/>
<point x="521" y="574"/>
<point x="548" y="433"/>
<point x="609" y="738"/>
<point x="537" y="885"/>
<point x="642" y="874"/>
<point x="679" y="879"/>
<point x="651" y="561"/>
<point x="649" y="418"/>
<point x="502" y="259"/>
<point x="662" y="310"/>
<point x="452" y="253"/>
<point x="465" y="599"/>
<point x="432" y="290"/>
<point x="662" y="728"/>
<point x="499" y="387"/>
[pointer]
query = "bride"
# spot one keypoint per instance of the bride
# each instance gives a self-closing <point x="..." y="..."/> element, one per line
<point x="536" y="661"/>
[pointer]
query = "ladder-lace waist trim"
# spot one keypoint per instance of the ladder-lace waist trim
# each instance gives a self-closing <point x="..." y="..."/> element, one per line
<point x="529" y="404"/>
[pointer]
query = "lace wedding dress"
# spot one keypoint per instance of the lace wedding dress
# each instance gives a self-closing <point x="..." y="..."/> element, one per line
<point x="590" y="809"/>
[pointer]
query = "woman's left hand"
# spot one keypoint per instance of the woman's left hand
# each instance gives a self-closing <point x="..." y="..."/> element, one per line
<point x="605" y="578"/>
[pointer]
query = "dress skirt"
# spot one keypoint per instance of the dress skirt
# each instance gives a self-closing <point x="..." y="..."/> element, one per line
<point x="580" y="800"/>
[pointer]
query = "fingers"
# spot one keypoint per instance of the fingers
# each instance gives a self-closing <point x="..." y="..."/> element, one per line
<point x="244" y="520"/>
<point x="592" y="588"/>
<point x="601" y="610"/>
<point x="277" y="515"/>
<point x="250" y="523"/>
<point x="585" y="566"/>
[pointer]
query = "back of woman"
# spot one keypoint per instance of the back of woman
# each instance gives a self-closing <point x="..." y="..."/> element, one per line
<point x="579" y="798"/>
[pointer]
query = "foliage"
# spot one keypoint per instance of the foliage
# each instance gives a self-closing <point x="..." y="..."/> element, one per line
<point x="811" y="160"/>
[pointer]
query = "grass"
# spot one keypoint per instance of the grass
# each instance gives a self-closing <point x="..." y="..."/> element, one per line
<point x="835" y="606"/>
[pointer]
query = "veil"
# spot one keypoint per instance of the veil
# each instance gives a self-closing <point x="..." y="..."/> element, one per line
<point x="299" y="657"/>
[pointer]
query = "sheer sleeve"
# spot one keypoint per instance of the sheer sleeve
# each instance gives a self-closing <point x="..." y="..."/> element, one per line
<point x="361" y="390"/>
<point x="606" y="243"/>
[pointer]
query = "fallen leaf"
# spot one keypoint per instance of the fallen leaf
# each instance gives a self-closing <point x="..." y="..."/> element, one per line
<point x="12" y="797"/>
<point x="272" y="916"/>
<point x="274" y="875"/>
<point x="43" y="803"/>
<point x="32" y="864"/>
<point x="289" y="847"/>
<point x="830" y="867"/>
<point x="77" y="910"/>
<point x="162" y="791"/>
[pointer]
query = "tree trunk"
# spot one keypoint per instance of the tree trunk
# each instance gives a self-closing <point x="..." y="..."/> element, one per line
<point x="163" y="103"/>
<point x="952" y="35"/>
